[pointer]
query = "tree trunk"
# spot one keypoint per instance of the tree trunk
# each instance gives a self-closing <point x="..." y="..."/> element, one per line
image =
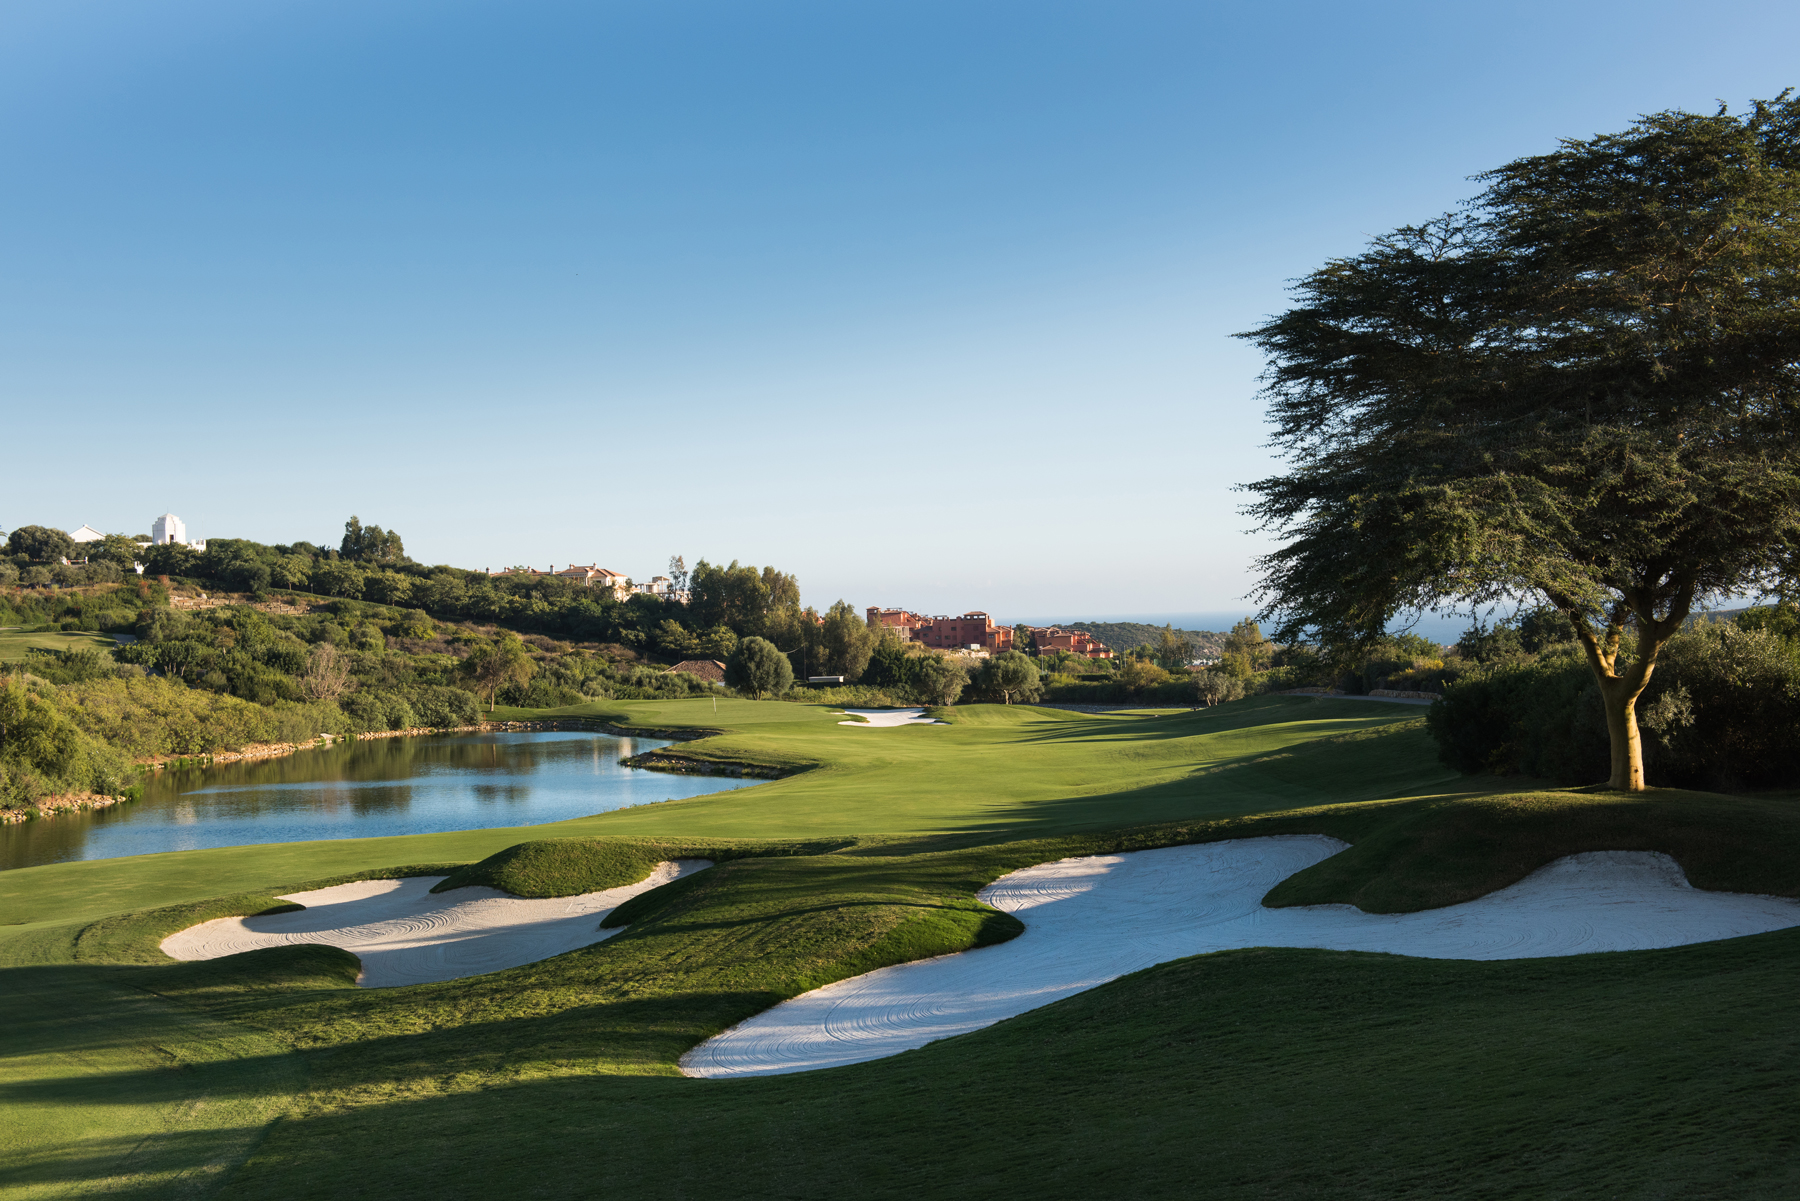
<point x="1620" y="701"/>
<point x="1619" y="690"/>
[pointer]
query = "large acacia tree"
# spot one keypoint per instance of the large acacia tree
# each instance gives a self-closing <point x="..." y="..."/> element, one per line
<point x="1581" y="387"/>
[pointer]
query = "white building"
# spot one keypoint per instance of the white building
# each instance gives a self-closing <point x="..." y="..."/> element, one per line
<point x="87" y="533"/>
<point x="169" y="529"/>
<point x="659" y="585"/>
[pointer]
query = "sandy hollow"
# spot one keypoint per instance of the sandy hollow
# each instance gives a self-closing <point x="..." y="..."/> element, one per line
<point x="406" y="935"/>
<point x="879" y="718"/>
<point x="1094" y="919"/>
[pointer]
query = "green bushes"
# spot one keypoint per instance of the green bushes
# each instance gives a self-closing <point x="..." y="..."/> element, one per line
<point x="1538" y="717"/>
<point x="853" y="696"/>
<point x="442" y="708"/>
<point x="156" y="717"/>
<point x="1723" y="710"/>
<point x="1063" y="690"/>
<point x="42" y="751"/>
<point x="540" y="693"/>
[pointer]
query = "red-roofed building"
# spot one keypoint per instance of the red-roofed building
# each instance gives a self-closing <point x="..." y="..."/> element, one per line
<point x="1047" y="640"/>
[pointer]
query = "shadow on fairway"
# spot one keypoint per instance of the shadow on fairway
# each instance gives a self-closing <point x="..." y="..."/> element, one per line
<point x="1243" y="1074"/>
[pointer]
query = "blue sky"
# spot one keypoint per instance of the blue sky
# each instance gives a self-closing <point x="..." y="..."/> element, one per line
<point x="929" y="303"/>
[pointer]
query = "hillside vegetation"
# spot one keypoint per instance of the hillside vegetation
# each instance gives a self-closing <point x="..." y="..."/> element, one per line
<point x="1121" y="636"/>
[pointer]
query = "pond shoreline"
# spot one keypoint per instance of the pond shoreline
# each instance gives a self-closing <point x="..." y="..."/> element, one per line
<point x="63" y="802"/>
<point x="272" y="750"/>
<point x="518" y="773"/>
<point x="53" y="806"/>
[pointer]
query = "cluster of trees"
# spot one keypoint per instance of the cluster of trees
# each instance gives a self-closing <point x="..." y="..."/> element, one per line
<point x="34" y="558"/>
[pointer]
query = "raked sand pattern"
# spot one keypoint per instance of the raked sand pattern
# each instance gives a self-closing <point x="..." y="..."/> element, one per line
<point x="406" y="935"/>
<point x="1094" y="919"/>
<point x="885" y="718"/>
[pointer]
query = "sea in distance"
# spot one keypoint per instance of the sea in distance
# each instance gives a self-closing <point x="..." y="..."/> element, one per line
<point x="365" y="789"/>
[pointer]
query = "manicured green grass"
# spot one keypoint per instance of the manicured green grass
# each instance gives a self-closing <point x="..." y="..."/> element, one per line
<point x="17" y="644"/>
<point x="1249" y="1074"/>
<point x="107" y="1088"/>
<point x="1273" y="1073"/>
<point x="996" y="774"/>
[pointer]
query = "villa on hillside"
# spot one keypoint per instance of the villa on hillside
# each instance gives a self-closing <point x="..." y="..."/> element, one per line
<point x="588" y="576"/>
<point x="169" y="530"/>
<point x="710" y="670"/>
<point x="663" y="586"/>
<point x="87" y="533"/>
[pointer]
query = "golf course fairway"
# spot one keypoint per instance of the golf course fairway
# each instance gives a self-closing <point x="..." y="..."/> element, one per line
<point x="1245" y="1073"/>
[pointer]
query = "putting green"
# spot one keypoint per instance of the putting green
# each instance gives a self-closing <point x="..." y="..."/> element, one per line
<point x="558" y="1078"/>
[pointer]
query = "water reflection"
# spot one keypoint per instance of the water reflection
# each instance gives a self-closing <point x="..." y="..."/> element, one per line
<point x="364" y="789"/>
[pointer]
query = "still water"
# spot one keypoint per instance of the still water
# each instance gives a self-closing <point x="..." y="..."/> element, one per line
<point x="364" y="789"/>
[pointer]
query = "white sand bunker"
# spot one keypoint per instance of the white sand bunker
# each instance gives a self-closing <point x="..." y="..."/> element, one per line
<point x="1091" y="920"/>
<point x="405" y="935"/>
<point x="890" y="717"/>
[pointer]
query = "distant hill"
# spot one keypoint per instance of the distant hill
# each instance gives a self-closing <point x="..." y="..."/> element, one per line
<point x="1123" y="635"/>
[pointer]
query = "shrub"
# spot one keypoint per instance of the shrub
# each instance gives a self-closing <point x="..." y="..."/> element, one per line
<point x="441" y="707"/>
<point x="540" y="693"/>
<point x="1537" y="717"/>
<point x="1723" y="710"/>
<point x="378" y="709"/>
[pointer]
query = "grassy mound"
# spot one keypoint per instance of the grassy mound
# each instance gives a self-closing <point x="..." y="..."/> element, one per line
<point x="566" y="867"/>
<point x="1426" y="854"/>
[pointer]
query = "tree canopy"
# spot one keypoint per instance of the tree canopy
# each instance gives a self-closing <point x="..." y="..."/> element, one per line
<point x="371" y="544"/>
<point x="1580" y="388"/>
<point x="758" y="667"/>
<point x="40" y="543"/>
<point x="1011" y="676"/>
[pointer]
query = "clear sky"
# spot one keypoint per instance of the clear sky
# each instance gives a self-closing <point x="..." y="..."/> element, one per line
<point x="928" y="303"/>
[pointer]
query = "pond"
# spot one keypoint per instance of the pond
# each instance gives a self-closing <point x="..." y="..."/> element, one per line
<point x="365" y="789"/>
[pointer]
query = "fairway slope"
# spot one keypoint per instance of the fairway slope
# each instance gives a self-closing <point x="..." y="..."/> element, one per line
<point x="1092" y="919"/>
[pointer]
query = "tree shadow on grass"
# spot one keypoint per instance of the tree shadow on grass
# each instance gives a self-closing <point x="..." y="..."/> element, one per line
<point x="1362" y="765"/>
<point x="1244" y="1074"/>
<point x="1324" y="716"/>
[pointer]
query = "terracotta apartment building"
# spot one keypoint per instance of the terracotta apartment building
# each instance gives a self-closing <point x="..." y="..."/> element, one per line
<point x="1050" y="639"/>
<point x="973" y="629"/>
